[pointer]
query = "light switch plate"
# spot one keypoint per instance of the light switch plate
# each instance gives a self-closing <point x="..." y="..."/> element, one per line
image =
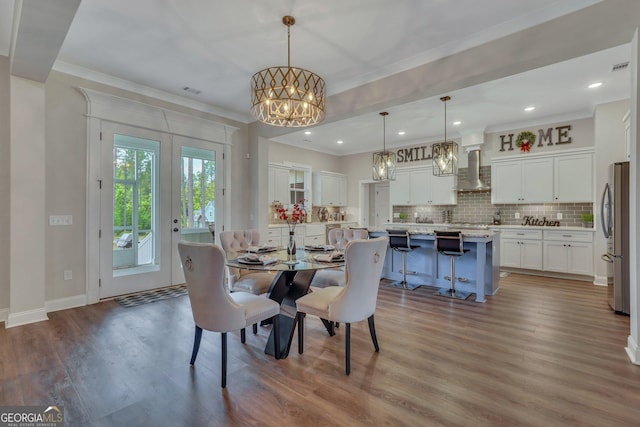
<point x="559" y="215"/>
<point x="517" y="215"/>
<point x="60" y="219"/>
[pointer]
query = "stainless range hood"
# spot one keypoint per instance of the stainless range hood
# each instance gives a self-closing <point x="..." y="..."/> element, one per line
<point x="473" y="183"/>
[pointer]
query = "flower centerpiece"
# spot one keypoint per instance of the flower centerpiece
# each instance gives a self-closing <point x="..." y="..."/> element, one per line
<point x="296" y="216"/>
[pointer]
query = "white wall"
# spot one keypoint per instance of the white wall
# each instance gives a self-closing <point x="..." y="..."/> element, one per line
<point x="279" y="153"/>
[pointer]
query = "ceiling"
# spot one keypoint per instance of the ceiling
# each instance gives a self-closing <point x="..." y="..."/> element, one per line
<point x="214" y="47"/>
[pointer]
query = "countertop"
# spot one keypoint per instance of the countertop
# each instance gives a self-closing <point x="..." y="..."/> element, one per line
<point x="422" y="225"/>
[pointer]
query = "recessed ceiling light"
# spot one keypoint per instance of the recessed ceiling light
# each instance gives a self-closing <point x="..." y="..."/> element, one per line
<point x="339" y="141"/>
<point x="594" y="85"/>
<point x="457" y="123"/>
<point x="308" y="132"/>
<point x="529" y="108"/>
<point x="401" y="132"/>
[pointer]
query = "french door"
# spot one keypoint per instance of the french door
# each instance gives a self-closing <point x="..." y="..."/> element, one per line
<point x="156" y="190"/>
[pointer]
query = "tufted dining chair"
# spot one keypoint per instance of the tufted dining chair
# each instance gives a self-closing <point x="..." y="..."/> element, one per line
<point x="255" y="282"/>
<point x="214" y="308"/>
<point x="354" y="302"/>
<point x="335" y="276"/>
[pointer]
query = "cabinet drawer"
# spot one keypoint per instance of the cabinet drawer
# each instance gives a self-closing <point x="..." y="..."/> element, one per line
<point x="315" y="240"/>
<point x="568" y="235"/>
<point x="315" y="229"/>
<point x="274" y="241"/>
<point x="298" y="232"/>
<point x="521" y="234"/>
<point x="274" y="232"/>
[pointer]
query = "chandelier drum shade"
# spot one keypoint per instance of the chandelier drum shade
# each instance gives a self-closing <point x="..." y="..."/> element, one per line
<point x="445" y="154"/>
<point x="384" y="162"/>
<point x="288" y="96"/>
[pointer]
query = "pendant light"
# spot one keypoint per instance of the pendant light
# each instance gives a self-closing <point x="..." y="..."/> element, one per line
<point x="445" y="154"/>
<point x="384" y="162"/>
<point x="287" y="96"/>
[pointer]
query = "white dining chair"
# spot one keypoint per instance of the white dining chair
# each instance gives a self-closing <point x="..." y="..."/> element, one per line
<point x="214" y="308"/>
<point x="255" y="282"/>
<point x="354" y="302"/>
<point x="335" y="276"/>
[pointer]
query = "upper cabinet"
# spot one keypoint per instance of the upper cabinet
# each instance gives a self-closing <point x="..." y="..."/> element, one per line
<point x="559" y="178"/>
<point x="522" y="181"/>
<point x="278" y="184"/>
<point x="573" y="178"/>
<point x="418" y="186"/>
<point x="288" y="184"/>
<point x="627" y="135"/>
<point x="329" y="189"/>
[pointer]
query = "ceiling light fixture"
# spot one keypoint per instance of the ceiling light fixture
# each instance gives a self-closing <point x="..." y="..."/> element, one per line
<point x="384" y="162"/>
<point x="286" y="96"/>
<point x="529" y="109"/>
<point x="339" y="141"/>
<point x="594" y="85"/>
<point x="457" y="123"/>
<point x="445" y="154"/>
<point x="401" y="132"/>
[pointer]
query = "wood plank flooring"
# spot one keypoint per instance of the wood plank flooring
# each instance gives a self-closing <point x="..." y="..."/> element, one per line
<point x="542" y="352"/>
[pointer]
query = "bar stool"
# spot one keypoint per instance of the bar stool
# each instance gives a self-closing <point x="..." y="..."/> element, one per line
<point x="400" y="241"/>
<point x="450" y="243"/>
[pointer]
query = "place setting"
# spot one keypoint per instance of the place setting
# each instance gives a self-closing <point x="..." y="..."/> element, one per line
<point x="256" y="259"/>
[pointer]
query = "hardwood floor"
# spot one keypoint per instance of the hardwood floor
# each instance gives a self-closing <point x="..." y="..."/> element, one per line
<point x="542" y="352"/>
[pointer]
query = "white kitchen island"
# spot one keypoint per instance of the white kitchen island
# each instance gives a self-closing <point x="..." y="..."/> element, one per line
<point x="479" y="267"/>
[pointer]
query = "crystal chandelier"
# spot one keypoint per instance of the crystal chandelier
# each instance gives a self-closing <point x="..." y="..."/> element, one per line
<point x="384" y="162"/>
<point x="286" y="96"/>
<point x="445" y="154"/>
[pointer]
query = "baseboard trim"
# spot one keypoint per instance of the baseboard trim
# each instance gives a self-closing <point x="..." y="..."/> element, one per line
<point x="26" y="317"/>
<point x="4" y="314"/>
<point x="66" y="303"/>
<point x="551" y="274"/>
<point x="632" y="350"/>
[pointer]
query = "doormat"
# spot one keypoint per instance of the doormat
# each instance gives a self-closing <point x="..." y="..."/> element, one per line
<point x="151" y="296"/>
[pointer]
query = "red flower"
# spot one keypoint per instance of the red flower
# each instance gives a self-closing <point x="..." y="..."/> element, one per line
<point x="297" y="215"/>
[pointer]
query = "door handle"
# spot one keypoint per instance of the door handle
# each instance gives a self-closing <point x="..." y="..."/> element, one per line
<point x="606" y="257"/>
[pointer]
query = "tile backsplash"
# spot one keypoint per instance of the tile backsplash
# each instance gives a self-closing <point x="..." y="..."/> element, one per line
<point x="477" y="208"/>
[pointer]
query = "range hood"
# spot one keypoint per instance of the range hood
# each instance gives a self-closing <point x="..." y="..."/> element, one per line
<point x="473" y="183"/>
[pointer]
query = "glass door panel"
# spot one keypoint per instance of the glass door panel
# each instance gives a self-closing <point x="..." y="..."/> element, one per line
<point x="197" y="211"/>
<point x="134" y="245"/>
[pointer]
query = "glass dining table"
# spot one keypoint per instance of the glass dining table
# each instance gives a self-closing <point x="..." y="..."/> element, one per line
<point x="292" y="280"/>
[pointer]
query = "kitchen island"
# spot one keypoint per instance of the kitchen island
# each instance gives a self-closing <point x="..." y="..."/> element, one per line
<point x="478" y="268"/>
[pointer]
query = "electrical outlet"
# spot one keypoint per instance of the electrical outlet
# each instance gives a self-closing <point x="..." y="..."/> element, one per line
<point x="517" y="215"/>
<point x="68" y="275"/>
<point x="396" y="214"/>
<point x="559" y="215"/>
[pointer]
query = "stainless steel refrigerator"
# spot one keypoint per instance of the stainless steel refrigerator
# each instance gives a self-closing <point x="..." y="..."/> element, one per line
<point x="614" y="214"/>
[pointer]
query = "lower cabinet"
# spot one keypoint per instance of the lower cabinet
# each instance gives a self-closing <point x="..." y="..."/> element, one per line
<point x="568" y="252"/>
<point x="559" y="251"/>
<point x="521" y="249"/>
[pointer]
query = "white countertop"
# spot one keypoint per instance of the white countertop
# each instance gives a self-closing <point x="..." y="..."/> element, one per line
<point x="422" y="225"/>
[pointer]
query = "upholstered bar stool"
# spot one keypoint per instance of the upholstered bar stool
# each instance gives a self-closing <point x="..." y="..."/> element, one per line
<point x="400" y="241"/>
<point x="450" y="243"/>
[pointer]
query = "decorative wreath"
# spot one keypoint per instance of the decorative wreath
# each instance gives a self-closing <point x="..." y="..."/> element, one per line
<point x="525" y="140"/>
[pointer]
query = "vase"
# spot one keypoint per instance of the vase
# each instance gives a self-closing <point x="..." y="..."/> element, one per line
<point x="291" y="244"/>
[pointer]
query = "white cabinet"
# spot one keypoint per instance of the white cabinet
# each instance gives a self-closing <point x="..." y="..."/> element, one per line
<point x="400" y="189"/>
<point x="559" y="178"/>
<point x="573" y="178"/>
<point x="521" y="248"/>
<point x="418" y="186"/>
<point x="279" y="184"/>
<point x="568" y="251"/>
<point x="329" y="189"/>
<point x="315" y="234"/>
<point x="627" y="135"/>
<point x="522" y="181"/>
<point x="274" y="237"/>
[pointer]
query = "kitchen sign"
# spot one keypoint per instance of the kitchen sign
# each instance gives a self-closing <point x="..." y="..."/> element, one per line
<point x="544" y="222"/>
<point x="526" y="139"/>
